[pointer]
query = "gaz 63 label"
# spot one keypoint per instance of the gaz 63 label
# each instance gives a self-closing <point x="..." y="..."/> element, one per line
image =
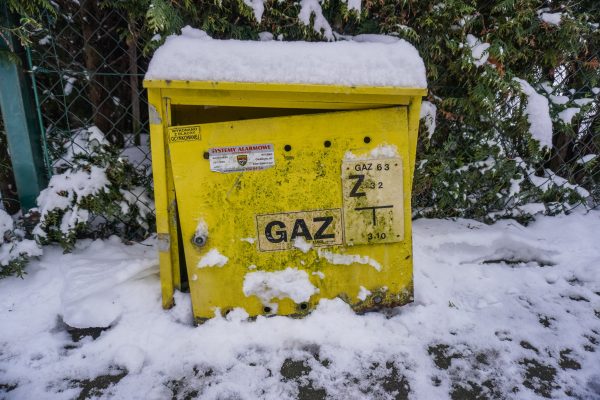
<point x="373" y="201"/>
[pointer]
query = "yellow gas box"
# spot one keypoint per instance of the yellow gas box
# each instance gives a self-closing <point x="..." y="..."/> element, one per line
<point x="272" y="196"/>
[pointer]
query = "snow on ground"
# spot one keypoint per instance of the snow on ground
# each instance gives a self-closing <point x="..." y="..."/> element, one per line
<point x="501" y="311"/>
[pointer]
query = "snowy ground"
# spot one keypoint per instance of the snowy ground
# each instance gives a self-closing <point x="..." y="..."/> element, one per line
<point x="501" y="311"/>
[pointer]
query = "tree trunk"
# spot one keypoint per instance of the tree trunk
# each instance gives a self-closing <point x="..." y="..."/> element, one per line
<point x="98" y="96"/>
<point x="134" y="82"/>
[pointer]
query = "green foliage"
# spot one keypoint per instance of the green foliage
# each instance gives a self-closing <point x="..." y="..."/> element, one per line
<point x="30" y="13"/>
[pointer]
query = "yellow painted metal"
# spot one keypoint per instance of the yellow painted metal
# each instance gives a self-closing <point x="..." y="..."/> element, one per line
<point x="307" y="177"/>
<point x="214" y="104"/>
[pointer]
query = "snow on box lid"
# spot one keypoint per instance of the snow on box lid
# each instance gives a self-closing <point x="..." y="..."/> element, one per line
<point x="365" y="60"/>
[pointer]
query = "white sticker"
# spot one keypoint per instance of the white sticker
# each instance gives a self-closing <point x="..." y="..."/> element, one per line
<point x="251" y="157"/>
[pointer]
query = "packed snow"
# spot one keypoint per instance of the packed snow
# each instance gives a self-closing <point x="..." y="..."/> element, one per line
<point x="567" y="114"/>
<point x="428" y="114"/>
<point x="213" y="258"/>
<point x="258" y="7"/>
<point x="348" y="259"/>
<point x="311" y="9"/>
<point x="363" y="293"/>
<point x="12" y="247"/>
<point x="301" y="244"/>
<point x="381" y="151"/>
<point x="289" y="283"/>
<point x="500" y="311"/>
<point x="538" y="115"/>
<point x="551" y="18"/>
<point x="479" y="50"/>
<point x="193" y="55"/>
<point x="66" y="191"/>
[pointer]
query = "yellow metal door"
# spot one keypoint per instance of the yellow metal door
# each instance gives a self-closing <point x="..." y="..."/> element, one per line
<point x="277" y="213"/>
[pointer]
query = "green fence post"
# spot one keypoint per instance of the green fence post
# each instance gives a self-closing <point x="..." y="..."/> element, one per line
<point x="18" y="113"/>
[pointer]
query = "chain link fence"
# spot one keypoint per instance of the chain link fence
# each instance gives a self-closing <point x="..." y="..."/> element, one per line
<point x="87" y="72"/>
<point x="87" y="67"/>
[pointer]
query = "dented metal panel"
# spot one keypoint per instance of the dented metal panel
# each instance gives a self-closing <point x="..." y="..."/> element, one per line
<point x="297" y="212"/>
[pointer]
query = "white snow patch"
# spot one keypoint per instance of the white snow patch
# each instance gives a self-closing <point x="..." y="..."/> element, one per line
<point x="201" y="228"/>
<point x="583" y="102"/>
<point x="258" y="7"/>
<point x="45" y="40"/>
<point x="84" y="141"/>
<point x="560" y="100"/>
<point x="428" y="113"/>
<point x="363" y="293"/>
<point x="91" y="291"/>
<point x="309" y="8"/>
<point x="479" y="50"/>
<point x="289" y="283"/>
<point x="381" y="151"/>
<point x="348" y="259"/>
<point x="319" y="274"/>
<point x="12" y="250"/>
<point x="538" y="115"/>
<point x="195" y="56"/>
<point x="6" y="224"/>
<point x="567" y="115"/>
<point x="212" y="259"/>
<point x="353" y="5"/>
<point x="130" y="357"/>
<point x="301" y="244"/>
<point x="70" y="83"/>
<point x="551" y="18"/>
<point x="238" y="314"/>
<point x="265" y="36"/>
<point x="587" y="158"/>
<point x="65" y="191"/>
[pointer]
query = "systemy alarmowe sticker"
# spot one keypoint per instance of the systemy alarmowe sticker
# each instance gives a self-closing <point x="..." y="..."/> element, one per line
<point x="250" y="157"/>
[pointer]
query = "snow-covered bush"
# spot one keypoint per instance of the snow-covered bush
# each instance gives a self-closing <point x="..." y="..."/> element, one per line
<point x="15" y="249"/>
<point x="94" y="193"/>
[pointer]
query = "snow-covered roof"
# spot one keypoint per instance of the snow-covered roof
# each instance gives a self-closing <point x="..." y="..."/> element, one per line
<point x="365" y="60"/>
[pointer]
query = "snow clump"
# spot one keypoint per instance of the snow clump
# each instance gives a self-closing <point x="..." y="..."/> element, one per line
<point x="364" y="61"/>
<point x="213" y="259"/>
<point x="538" y="115"/>
<point x="290" y="283"/>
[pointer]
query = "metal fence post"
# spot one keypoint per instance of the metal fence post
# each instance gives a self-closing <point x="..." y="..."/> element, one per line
<point x="18" y="113"/>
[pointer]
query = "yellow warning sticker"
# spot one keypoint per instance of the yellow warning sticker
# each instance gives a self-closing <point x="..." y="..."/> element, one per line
<point x="373" y="201"/>
<point x="184" y="133"/>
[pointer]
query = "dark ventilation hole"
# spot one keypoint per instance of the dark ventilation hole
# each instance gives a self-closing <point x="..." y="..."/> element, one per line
<point x="327" y="143"/>
<point x="206" y="156"/>
<point x="367" y="139"/>
<point x="287" y="147"/>
<point x="267" y="309"/>
<point x="303" y="306"/>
